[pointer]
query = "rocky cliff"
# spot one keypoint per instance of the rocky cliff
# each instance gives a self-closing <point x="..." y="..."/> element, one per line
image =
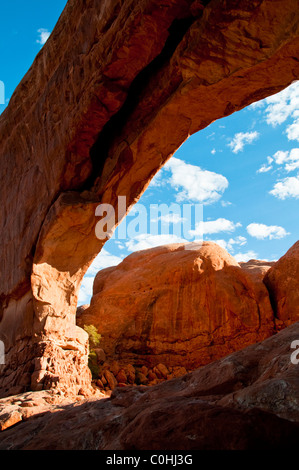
<point x="114" y="92"/>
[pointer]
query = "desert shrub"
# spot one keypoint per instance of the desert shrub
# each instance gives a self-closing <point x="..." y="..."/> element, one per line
<point x="94" y="340"/>
<point x="93" y="335"/>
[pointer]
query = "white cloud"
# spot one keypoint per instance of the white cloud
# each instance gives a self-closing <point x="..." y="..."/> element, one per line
<point x="231" y="243"/>
<point x="292" y="130"/>
<point x="157" y="180"/>
<point x="211" y="136"/>
<point x="244" y="257"/>
<point x="145" y="241"/>
<point x="240" y="240"/>
<point x="262" y="231"/>
<point x="288" y="158"/>
<point x="213" y="151"/>
<point x="264" y="168"/>
<point x="225" y="203"/>
<point x="43" y="36"/>
<point x="102" y="261"/>
<point x="292" y="160"/>
<point x="171" y="218"/>
<point x="283" y="105"/>
<point x="195" y="184"/>
<point x="242" y="138"/>
<point x="120" y="245"/>
<point x="280" y="157"/>
<point x="214" y="226"/>
<point x="257" y="105"/>
<point x="85" y="292"/>
<point x="288" y="187"/>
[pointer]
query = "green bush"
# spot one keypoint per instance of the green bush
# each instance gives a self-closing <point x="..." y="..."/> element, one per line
<point x="93" y="334"/>
<point x="94" y="340"/>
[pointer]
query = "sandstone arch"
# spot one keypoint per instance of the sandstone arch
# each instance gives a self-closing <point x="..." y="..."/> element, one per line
<point x="116" y="90"/>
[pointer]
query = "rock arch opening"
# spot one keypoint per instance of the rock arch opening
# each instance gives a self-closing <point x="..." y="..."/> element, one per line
<point x="136" y="304"/>
<point x="220" y="61"/>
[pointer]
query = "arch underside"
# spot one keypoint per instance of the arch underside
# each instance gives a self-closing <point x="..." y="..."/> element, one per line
<point x="117" y="88"/>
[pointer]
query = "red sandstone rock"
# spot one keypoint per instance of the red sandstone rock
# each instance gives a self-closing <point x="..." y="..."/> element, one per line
<point x="114" y="367"/>
<point x="130" y="373"/>
<point x="103" y="380"/>
<point x="100" y="384"/>
<point x="141" y="379"/>
<point x="144" y="370"/>
<point x="121" y="377"/>
<point x="248" y="400"/>
<point x="178" y="305"/>
<point x="282" y="281"/>
<point x="101" y="356"/>
<point x="163" y="370"/>
<point x="81" y="309"/>
<point x="9" y="419"/>
<point x="256" y="268"/>
<point x="96" y="73"/>
<point x="111" y="380"/>
<point x="179" y="371"/>
<point x="151" y="376"/>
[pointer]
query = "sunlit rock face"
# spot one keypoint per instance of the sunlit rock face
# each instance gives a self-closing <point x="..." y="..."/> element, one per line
<point x="179" y="305"/>
<point x="117" y="88"/>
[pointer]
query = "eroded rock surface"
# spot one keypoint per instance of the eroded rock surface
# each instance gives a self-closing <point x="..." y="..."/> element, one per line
<point x="114" y="92"/>
<point x="179" y="305"/>
<point x="248" y="400"/>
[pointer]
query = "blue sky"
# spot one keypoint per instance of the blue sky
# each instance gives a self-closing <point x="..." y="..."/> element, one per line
<point x="243" y="169"/>
<point x="24" y="26"/>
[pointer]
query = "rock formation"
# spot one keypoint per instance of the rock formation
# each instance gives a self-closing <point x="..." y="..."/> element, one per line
<point x="178" y="305"/>
<point x="248" y="400"/>
<point x="257" y="268"/>
<point x="114" y="92"/>
<point x="282" y="281"/>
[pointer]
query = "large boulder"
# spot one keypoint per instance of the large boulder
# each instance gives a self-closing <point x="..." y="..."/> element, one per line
<point x="282" y="281"/>
<point x="179" y="305"/>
